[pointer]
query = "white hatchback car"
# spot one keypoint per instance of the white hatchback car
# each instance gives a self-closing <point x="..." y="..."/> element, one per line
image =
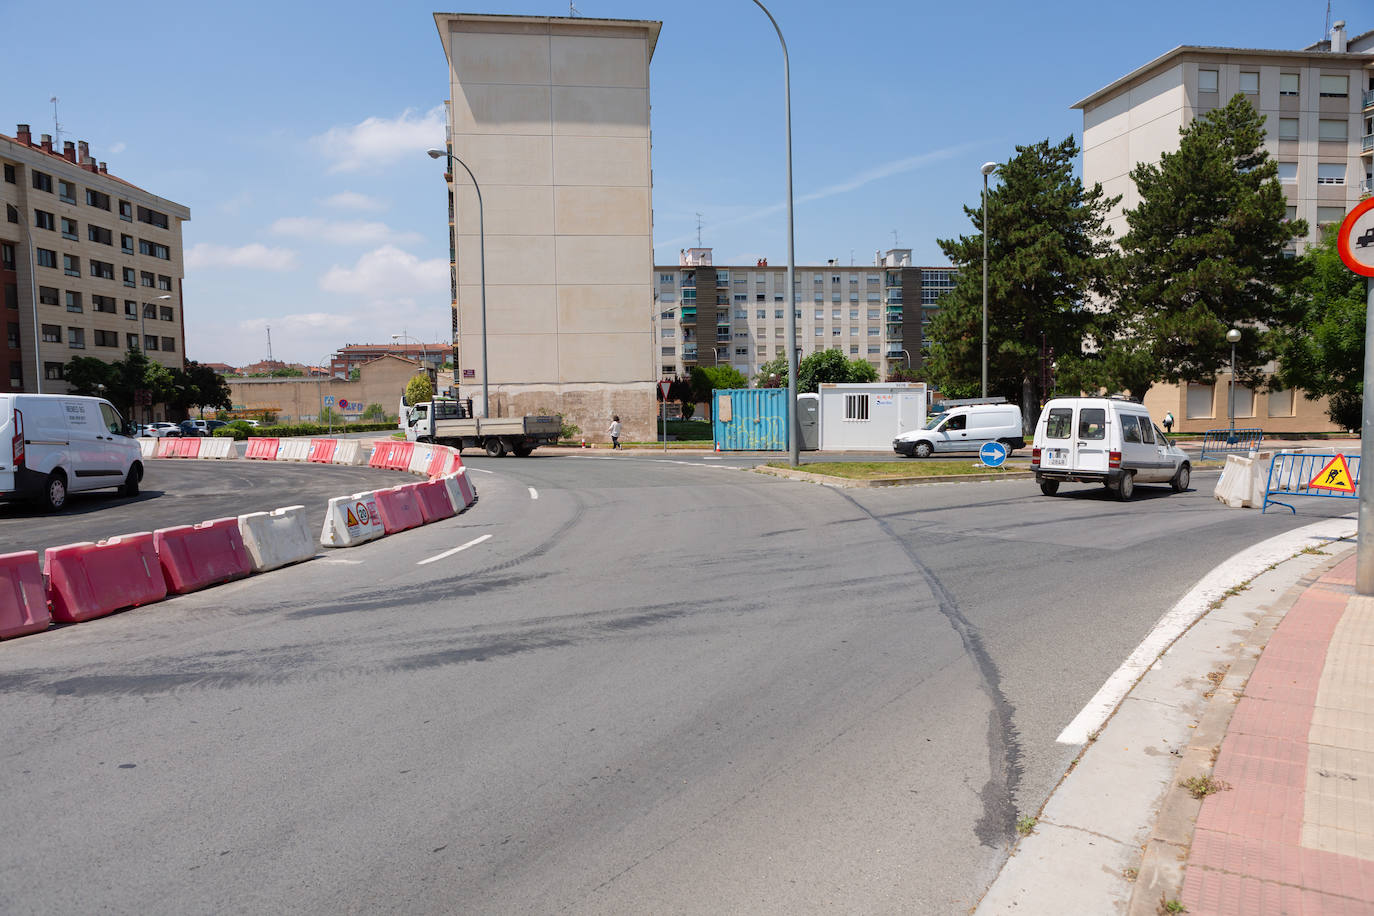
<point x="1111" y="441"/>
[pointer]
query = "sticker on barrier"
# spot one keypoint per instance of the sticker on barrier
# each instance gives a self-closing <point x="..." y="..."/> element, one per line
<point x="352" y="520"/>
<point x="1321" y="476"/>
<point x="381" y="454"/>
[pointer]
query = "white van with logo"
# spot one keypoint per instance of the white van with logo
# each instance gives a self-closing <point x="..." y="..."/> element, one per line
<point x="52" y="444"/>
<point x="1111" y="441"/>
<point x="964" y="429"/>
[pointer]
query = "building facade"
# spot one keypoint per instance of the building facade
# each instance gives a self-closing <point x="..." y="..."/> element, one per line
<point x="90" y="265"/>
<point x="301" y="400"/>
<point x="551" y="115"/>
<point x="354" y="356"/>
<point x="1318" y="104"/>
<point x="736" y="315"/>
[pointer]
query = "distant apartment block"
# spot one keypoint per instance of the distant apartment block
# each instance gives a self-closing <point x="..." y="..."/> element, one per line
<point x="736" y="316"/>
<point x="90" y="265"/>
<point x="1318" y="104"/>
<point x="353" y="356"/>
<point x="551" y="114"/>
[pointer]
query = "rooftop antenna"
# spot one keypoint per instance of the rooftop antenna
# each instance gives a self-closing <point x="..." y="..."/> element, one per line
<point x="698" y="230"/>
<point x="57" y="128"/>
<point x="851" y="257"/>
<point x="895" y="243"/>
<point x="269" y="343"/>
<point x="1326" y="29"/>
<point x="572" y="10"/>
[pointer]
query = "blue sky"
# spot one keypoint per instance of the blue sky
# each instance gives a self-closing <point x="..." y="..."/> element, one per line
<point x="296" y="132"/>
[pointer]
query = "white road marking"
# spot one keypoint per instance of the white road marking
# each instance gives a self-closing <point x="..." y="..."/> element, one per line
<point x="713" y="458"/>
<point x="534" y="494"/>
<point x="342" y="560"/>
<point x="478" y="470"/>
<point x="448" y="553"/>
<point x="1243" y="566"/>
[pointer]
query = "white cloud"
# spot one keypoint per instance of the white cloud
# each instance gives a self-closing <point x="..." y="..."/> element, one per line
<point x="118" y="147"/>
<point x="378" y="141"/>
<point x="352" y="200"/>
<point x="253" y="257"/>
<point x="342" y="232"/>
<point x="388" y="274"/>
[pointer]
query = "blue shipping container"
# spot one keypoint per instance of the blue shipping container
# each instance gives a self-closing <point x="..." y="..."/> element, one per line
<point x="749" y="419"/>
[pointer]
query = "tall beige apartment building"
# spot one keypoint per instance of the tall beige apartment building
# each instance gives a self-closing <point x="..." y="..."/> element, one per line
<point x="713" y="315"/>
<point x="90" y="265"/>
<point x="552" y="117"/>
<point x="1318" y="103"/>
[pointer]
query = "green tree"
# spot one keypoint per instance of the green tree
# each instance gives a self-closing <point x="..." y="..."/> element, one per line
<point x="777" y="366"/>
<point x="419" y="389"/>
<point x="1327" y="358"/>
<point x="705" y="379"/>
<point x="374" y="413"/>
<point x="355" y="375"/>
<point x="832" y="366"/>
<point x="1203" y="253"/>
<point x="87" y="375"/>
<point x="286" y="372"/>
<point x="200" y="386"/>
<point x="1048" y="249"/>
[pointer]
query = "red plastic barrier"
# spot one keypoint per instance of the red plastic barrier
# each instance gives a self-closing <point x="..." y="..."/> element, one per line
<point x="400" y="456"/>
<point x="438" y="463"/>
<point x="188" y="447"/>
<point x="455" y="462"/>
<point x="193" y="557"/>
<point x="399" y="508"/>
<point x="434" y="502"/>
<point x="262" y="448"/>
<point x="322" y="450"/>
<point x="23" y="604"/>
<point x="381" y="455"/>
<point x="166" y="448"/>
<point x="88" y="580"/>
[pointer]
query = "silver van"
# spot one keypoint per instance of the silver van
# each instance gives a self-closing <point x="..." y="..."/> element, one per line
<point x="52" y="444"/>
<point x="1111" y="441"/>
<point x="964" y="429"/>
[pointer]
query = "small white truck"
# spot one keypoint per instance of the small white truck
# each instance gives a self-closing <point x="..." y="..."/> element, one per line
<point x="450" y="422"/>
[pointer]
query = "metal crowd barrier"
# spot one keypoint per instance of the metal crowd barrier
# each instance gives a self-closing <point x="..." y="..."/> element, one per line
<point x="1230" y="441"/>
<point x="1294" y="475"/>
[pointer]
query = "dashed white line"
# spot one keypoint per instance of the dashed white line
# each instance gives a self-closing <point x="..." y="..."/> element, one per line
<point x="478" y="470"/>
<point x="534" y="494"/>
<point x="448" y="553"/>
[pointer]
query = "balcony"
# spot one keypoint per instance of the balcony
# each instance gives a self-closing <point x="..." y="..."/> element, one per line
<point x="1367" y="143"/>
<point x="689" y="316"/>
<point x="895" y="353"/>
<point x="689" y="353"/>
<point x="1367" y="186"/>
<point x="1369" y="98"/>
<point x="894" y="313"/>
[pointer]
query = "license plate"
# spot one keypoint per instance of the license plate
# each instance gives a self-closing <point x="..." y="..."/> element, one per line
<point x="1058" y="457"/>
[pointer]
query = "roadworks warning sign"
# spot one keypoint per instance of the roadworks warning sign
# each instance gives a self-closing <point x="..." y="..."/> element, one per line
<point x="1335" y="476"/>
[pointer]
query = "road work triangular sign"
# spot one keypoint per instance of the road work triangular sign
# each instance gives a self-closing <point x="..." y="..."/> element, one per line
<point x="1335" y="476"/>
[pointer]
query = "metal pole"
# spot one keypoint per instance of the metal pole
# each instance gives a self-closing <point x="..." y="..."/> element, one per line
<point x="664" y="411"/>
<point x="1231" y="406"/>
<point x="482" y="268"/>
<point x="793" y="443"/>
<point x="985" y="283"/>
<point x="1364" y="551"/>
<point x="33" y="297"/>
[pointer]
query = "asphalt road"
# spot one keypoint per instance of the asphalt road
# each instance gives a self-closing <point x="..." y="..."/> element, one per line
<point x="643" y="686"/>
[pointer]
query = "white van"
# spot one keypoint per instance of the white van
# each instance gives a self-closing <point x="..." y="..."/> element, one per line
<point x="964" y="429"/>
<point x="54" y="443"/>
<point x="1111" y="441"/>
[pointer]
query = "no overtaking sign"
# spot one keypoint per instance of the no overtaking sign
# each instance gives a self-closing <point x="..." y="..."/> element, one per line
<point x="1356" y="240"/>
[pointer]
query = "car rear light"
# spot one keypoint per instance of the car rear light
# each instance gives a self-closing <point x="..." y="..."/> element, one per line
<point x="17" y="443"/>
<point x="1113" y="459"/>
<point x="1035" y="456"/>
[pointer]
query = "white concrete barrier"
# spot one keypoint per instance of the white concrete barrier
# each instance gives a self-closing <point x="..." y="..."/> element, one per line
<point x="421" y="457"/>
<point x="351" y="520"/>
<point x="148" y="446"/>
<point x="1236" y="482"/>
<point x="277" y="538"/>
<point x="293" y="450"/>
<point x="461" y="491"/>
<point x="218" y="447"/>
<point x="350" y="452"/>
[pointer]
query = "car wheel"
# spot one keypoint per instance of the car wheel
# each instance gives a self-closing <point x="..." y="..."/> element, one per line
<point x="922" y="450"/>
<point x="523" y="451"/>
<point x="130" y="487"/>
<point x="1125" y="487"/>
<point x="495" y="448"/>
<point x="1009" y="444"/>
<point x="1181" y="479"/>
<point x="1049" y="487"/>
<point x="54" y="495"/>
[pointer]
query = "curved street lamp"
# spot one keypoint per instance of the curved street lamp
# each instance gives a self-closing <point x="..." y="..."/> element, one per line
<point x="988" y="169"/>
<point x="482" y="259"/>
<point x="1233" y="336"/>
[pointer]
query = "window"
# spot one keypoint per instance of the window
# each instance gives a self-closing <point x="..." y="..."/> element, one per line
<point x="42" y="181"/>
<point x="853" y="331"/>
<point x="820" y="314"/>
<point x="819" y="297"/>
<point x="44" y="257"/>
<point x="1288" y="172"/>
<point x="741" y="351"/>
<point x="873" y="348"/>
<point x="169" y="344"/>
<point x="1092" y="423"/>
<point x="856" y="407"/>
<point x="1130" y="432"/>
<point x="129" y="278"/>
<point x="1281" y="402"/>
<point x="76" y="338"/>
<point x="834" y="314"/>
<point x="104" y="304"/>
<point x="1288" y="84"/>
<point x="146" y="278"/>
<point x="667" y="332"/>
<point x="741" y="297"/>
<point x="760" y="297"/>
<point x="126" y="211"/>
<point x="777" y="313"/>
<point x="1147" y="430"/>
<point x="6" y="256"/>
<point x="11" y="213"/>
<point x="662" y="278"/>
<point x="739" y="335"/>
<point x="66" y="191"/>
<point x="160" y="251"/>
<point x="1207" y="81"/>
<point x="835" y="332"/>
<point x="97" y="199"/>
<point x="820" y="331"/>
<point x="131" y="341"/>
<point x="1290" y="213"/>
<point x="102" y="269"/>
<point x="52" y="333"/>
<point x="47" y="295"/>
<point x="149" y="342"/>
<point x="9" y="173"/>
<point x="777" y="332"/>
<point x="71" y="265"/>
<point x="872" y="315"/>
<point x="761" y="314"/>
<point x="13" y="333"/>
<point x="42" y="219"/>
<point x="164" y="282"/>
<point x="17" y="376"/>
<point x="1330" y="173"/>
<point x="97" y="234"/>
<point x="1333" y="129"/>
<point x="853" y="349"/>
<point x="130" y="308"/>
<point x="1330" y="215"/>
<point x="52" y="371"/>
<point x="1288" y="128"/>
<point x="874" y="331"/>
<point x="1249" y="82"/>
<point x="73" y="301"/>
<point x="149" y="310"/>
<point x="742" y="314"/>
<point x="1200" y="400"/>
<point x="1335" y="87"/>
<point x="818" y="279"/>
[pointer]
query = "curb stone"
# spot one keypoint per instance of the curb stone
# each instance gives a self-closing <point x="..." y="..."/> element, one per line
<point x="846" y="482"/>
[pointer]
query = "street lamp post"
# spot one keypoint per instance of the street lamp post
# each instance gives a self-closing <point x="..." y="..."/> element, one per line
<point x="424" y="351"/>
<point x="988" y="169"/>
<point x="482" y="259"/>
<point x="1233" y="336"/>
<point x="791" y="323"/>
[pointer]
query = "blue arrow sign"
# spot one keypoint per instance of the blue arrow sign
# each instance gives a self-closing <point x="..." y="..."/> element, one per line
<point x="993" y="454"/>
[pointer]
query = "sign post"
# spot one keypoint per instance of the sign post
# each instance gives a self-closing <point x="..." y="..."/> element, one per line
<point x="663" y="390"/>
<point x="1356" y="246"/>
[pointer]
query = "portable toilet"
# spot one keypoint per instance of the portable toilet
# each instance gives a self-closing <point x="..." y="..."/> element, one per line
<point x="808" y="421"/>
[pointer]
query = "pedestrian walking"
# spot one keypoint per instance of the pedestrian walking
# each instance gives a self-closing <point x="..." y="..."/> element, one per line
<point x="1168" y="421"/>
<point x="615" y="431"/>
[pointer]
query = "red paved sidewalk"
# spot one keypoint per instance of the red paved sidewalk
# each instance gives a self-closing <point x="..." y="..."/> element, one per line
<point x="1294" y="833"/>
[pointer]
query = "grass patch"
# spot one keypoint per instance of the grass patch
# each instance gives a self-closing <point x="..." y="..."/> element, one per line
<point x="686" y="430"/>
<point x="1203" y="786"/>
<point x="1025" y="826"/>
<point x="870" y="470"/>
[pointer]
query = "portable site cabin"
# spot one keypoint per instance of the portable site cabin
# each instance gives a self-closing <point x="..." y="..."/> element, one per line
<point x="867" y="417"/>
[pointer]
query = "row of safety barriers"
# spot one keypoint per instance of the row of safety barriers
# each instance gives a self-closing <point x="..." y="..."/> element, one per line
<point x="188" y="447"/>
<point x="315" y="451"/>
<point x="83" y="581"/>
<point x="362" y="517"/>
<point x="1258" y="480"/>
<point x="1230" y="442"/>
